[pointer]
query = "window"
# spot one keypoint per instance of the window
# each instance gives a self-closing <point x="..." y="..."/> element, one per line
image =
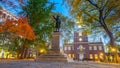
<point x="73" y="56"/>
<point x="100" y="47"/>
<point x="91" y="56"/>
<point x="101" y="55"/>
<point x="80" y="34"/>
<point x="65" y="48"/>
<point x="8" y="17"/>
<point x="69" y="48"/>
<point x="0" y="16"/>
<point x="95" y="47"/>
<point x="90" y="47"/>
<point x="2" y="20"/>
<point x="72" y="48"/>
<point x="96" y="56"/>
<point x="70" y="55"/>
<point x="80" y="39"/>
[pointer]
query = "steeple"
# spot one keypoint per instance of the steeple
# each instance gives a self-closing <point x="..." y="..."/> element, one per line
<point x="80" y="37"/>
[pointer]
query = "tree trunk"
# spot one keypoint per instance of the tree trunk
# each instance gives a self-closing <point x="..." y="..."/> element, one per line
<point x="22" y="51"/>
<point x="103" y="24"/>
<point x="109" y="33"/>
<point x="25" y="52"/>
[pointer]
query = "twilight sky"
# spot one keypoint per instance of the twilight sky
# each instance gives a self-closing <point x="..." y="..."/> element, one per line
<point x="59" y="7"/>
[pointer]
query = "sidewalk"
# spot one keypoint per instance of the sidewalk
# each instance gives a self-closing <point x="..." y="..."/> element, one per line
<point x="76" y="64"/>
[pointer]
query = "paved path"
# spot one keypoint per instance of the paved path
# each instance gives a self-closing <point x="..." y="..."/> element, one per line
<point x="32" y="64"/>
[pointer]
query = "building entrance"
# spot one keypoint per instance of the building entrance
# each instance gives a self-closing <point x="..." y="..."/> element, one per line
<point x="81" y="56"/>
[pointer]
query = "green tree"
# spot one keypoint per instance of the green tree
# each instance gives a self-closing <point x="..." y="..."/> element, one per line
<point x="38" y="14"/>
<point x="67" y="26"/>
<point x="40" y="17"/>
<point x="99" y="15"/>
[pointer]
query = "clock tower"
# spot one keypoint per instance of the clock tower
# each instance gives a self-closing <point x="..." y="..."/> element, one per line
<point x="80" y="46"/>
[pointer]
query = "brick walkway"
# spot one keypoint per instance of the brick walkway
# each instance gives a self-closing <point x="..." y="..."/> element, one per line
<point x="32" y="64"/>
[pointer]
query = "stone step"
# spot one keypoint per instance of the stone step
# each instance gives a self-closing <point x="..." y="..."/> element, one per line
<point x="52" y="56"/>
<point x="52" y="59"/>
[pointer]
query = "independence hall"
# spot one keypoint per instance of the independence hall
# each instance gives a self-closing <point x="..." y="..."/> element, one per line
<point x="81" y="49"/>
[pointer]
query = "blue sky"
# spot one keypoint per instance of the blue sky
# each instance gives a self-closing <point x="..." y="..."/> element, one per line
<point x="59" y="7"/>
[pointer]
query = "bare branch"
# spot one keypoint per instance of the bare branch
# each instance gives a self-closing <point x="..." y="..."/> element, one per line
<point x="105" y="4"/>
<point x="109" y="11"/>
<point x="91" y="16"/>
<point x="93" y="3"/>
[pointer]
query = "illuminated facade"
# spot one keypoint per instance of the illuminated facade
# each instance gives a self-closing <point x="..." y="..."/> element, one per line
<point x="4" y="14"/>
<point x="81" y="49"/>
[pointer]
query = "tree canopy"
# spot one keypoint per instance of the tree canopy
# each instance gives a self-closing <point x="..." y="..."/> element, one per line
<point x="19" y="28"/>
<point x="101" y="16"/>
<point x="40" y="18"/>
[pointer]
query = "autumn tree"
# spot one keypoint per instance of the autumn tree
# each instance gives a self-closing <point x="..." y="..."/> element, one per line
<point x="19" y="29"/>
<point x="40" y="18"/>
<point x="38" y="14"/>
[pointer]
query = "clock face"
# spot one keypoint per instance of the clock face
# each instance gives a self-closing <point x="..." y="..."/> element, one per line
<point x="80" y="34"/>
<point x="80" y="39"/>
<point x="81" y="48"/>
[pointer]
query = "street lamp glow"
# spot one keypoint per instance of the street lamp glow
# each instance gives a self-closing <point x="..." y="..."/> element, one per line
<point x="42" y="50"/>
<point x="113" y="49"/>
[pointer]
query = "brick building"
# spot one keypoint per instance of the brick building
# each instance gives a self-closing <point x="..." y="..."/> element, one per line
<point x="81" y="49"/>
<point x="4" y="14"/>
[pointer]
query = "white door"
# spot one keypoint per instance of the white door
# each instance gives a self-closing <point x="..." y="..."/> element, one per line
<point x="81" y="56"/>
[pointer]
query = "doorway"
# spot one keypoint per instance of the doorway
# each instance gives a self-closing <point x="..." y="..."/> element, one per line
<point x="81" y="56"/>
